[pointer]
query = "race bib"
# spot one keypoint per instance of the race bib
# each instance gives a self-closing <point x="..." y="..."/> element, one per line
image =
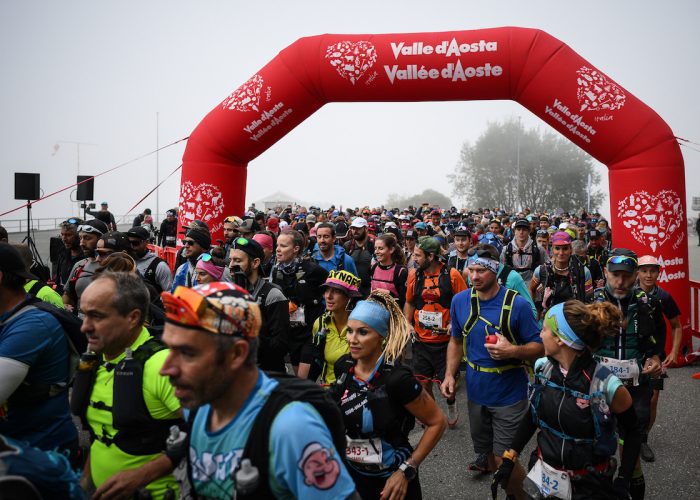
<point x="364" y="451"/>
<point x="627" y="370"/>
<point x="170" y="238"/>
<point x="549" y="481"/>
<point x="297" y="317"/>
<point x="430" y="320"/>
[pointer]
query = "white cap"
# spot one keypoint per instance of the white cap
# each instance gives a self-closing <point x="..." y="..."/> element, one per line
<point x="359" y="222"/>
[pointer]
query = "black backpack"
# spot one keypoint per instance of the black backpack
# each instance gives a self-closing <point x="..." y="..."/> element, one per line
<point x="289" y="389"/>
<point x="534" y="252"/>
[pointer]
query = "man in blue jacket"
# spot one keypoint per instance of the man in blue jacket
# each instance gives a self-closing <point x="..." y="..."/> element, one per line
<point x="327" y="254"/>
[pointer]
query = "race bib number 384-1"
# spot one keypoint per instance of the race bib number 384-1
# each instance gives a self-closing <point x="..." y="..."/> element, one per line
<point x="627" y="370"/>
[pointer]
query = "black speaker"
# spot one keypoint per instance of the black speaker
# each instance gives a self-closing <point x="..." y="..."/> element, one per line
<point x="86" y="189"/>
<point x="27" y="186"/>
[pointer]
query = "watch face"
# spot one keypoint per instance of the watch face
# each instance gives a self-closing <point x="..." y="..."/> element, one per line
<point x="409" y="471"/>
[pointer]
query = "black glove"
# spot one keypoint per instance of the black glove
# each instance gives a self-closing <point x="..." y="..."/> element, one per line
<point x="502" y="476"/>
<point x="621" y="487"/>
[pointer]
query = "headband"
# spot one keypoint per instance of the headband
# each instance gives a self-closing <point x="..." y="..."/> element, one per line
<point x="556" y="321"/>
<point x="490" y="264"/>
<point x="216" y="271"/>
<point x="373" y="315"/>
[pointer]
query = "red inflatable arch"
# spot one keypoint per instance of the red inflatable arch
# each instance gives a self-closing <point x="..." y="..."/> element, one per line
<point x="647" y="183"/>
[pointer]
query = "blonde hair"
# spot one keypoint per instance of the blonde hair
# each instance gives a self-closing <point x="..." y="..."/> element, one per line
<point x="399" y="331"/>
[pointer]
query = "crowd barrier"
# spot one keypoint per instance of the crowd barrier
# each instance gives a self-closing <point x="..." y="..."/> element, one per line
<point x="695" y="308"/>
<point x="168" y="254"/>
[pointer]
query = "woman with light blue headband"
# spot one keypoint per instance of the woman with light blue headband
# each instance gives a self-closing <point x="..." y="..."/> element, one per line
<point x="380" y="399"/>
<point x="577" y="404"/>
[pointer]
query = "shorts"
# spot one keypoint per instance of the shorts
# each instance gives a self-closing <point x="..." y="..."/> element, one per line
<point x="493" y="427"/>
<point x="657" y="384"/>
<point x="430" y="360"/>
<point x="295" y="348"/>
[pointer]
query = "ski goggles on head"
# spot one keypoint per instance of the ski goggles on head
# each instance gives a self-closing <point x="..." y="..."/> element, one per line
<point x="86" y="228"/>
<point x="71" y="222"/>
<point x="621" y="263"/>
<point x="221" y="308"/>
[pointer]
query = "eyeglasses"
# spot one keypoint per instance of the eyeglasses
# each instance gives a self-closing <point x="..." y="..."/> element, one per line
<point x="622" y="259"/>
<point x="205" y="257"/>
<point x="85" y="228"/>
<point x="188" y="243"/>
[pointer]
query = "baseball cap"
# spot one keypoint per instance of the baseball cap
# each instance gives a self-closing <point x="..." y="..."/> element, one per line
<point x="233" y="220"/>
<point x="561" y="238"/>
<point x="195" y="224"/>
<point x="139" y="232"/>
<point x="311" y="218"/>
<point x="200" y="236"/>
<point x="344" y="281"/>
<point x="117" y="241"/>
<point x="594" y="233"/>
<point x="11" y="262"/>
<point x="359" y="222"/>
<point x="265" y="240"/>
<point x="622" y="259"/>
<point x="429" y="244"/>
<point x="410" y="234"/>
<point x="521" y="223"/>
<point x="421" y="225"/>
<point x="246" y="226"/>
<point x="648" y="260"/>
<point x="341" y="229"/>
<point x="220" y="307"/>
<point x="461" y="231"/>
<point x="273" y="224"/>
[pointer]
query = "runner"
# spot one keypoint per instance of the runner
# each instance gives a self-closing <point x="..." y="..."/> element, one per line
<point x="361" y="249"/>
<point x="167" y="235"/>
<point x="327" y="254"/>
<point x="380" y="400"/>
<point x="196" y="242"/>
<point x="462" y="242"/>
<point x="83" y="270"/>
<point x="388" y="272"/>
<point x="429" y="292"/>
<point x="573" y="405"/>
<point x="648" y="273"/>
<point x="522" y="253"/>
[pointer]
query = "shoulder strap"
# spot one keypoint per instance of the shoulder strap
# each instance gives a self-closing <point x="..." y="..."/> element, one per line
<point x="509" y="254"/>
<point x="473" y="314"/>
<point x="36" y="288"/>
<point x="148" y="349"/>
<point x="506" y="313"/>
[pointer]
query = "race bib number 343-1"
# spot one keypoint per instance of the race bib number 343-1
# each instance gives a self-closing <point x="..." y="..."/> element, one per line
<point x="364" y="451"/>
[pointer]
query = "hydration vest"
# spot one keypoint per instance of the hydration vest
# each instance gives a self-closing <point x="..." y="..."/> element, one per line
<point x="138" y="433"/>
<point x="385" y="279"/>
<point x="590" y="437"/>
<point x="638" y="341"/>
<point x="444" y="285"/>
<point x="503" y="328"/>
<point x="576" y="281"/>
<point x="534" y="253"/>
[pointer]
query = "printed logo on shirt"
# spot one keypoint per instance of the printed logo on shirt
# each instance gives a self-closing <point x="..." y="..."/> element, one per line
<point x="320" y="467"/>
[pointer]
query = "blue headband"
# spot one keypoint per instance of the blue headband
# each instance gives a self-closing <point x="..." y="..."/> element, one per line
<point x="373" y="315"/>
<point x="560" y="327"/>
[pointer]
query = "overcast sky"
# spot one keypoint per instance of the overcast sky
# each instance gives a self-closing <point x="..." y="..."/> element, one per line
<point x="98" y="73"/>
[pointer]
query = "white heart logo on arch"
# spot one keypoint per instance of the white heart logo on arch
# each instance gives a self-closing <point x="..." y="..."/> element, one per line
<point x="246" y="97"/>
<point x="352" y="59"/>
<point x="597" y="93"/>
<point x="201" y="202"/>
<point x="651" y="219"/>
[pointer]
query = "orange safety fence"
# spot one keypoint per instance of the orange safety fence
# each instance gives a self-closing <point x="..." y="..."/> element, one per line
<point x="168" y="254"/>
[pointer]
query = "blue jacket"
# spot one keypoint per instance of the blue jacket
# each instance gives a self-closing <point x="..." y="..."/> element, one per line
<point x="332" y="265"/>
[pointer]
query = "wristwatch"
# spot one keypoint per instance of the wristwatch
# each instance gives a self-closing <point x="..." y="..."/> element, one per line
<point x="408" y="470"/>
<point x="510" y="455"/>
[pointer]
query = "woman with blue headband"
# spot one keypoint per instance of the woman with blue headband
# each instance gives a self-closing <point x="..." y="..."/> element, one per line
<point x="577" y="405"/>
<point x="380" y="399"/>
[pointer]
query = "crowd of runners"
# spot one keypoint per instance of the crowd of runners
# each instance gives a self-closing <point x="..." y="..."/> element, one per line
<point x="293" y="357"/>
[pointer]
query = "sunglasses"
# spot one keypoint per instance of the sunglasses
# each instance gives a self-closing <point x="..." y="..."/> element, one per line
<point x="73" y="221"/>
<point x="240" y="242"/>
<point x="205" y="257"/>
<point x="85" y="228"/>
<point x="480" y="252"/>
<point x="621" y="259"/>
<point x="542" y="233"/>
<point x="188" y="243"/>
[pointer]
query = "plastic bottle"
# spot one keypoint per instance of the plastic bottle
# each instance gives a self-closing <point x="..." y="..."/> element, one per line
<point x="247" y="478"/>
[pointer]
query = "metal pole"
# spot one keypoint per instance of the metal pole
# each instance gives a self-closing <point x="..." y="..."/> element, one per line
<point x="157" y="172"/>
<point x="519" y="206"/>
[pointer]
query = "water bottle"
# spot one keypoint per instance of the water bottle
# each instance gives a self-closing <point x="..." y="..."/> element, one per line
<point x="247" y="478"/>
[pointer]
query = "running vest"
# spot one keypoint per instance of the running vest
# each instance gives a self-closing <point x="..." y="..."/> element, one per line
<point x="150" y="274"/>
<point x="444" y="285"/>
<point x="385" y="279"/>
<point x="575" y="281"/>
<point x="577" y="426"/>
<point x="455" y="261"/>
<point x="503" y="328"/>
<point x="638" y="339"/>
<point x="138" y="433"/>
<point x="533" y="253"/>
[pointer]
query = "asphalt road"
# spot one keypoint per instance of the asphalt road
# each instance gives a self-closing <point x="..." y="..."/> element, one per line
<point x="675" y="437"/>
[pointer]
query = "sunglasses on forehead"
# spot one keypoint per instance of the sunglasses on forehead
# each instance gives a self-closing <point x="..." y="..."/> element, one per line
<point x="622" y="259"/>
<point x="480" y="252"/>
<point x="240" y="242"/>
<point x="205" y="257"/>
<point x="85" y="228"/>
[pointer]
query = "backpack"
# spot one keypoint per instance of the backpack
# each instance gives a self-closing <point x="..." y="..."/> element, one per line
<point x="149" y="274"/>
<point x="491" y="239"/>
<point x="577" y="279"/>
<point x="444" y="285"/>
<point x="77" y="343"/>
<point x="534" y="252"/>
<point x="289" y="389"/>
<point x="605" y="428"/>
